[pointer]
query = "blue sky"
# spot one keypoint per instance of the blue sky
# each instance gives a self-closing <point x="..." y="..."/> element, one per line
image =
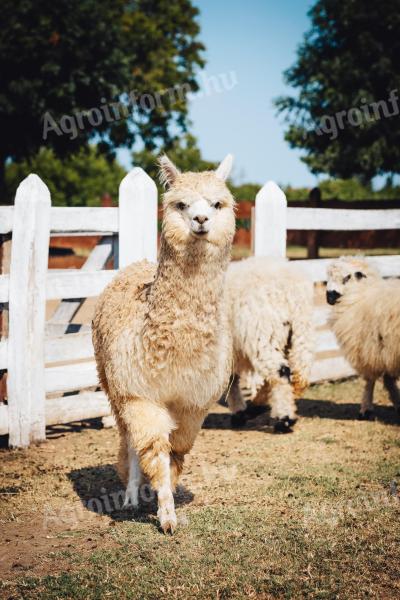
<point x="252" y="43"/>
<point x="257" y="40"/>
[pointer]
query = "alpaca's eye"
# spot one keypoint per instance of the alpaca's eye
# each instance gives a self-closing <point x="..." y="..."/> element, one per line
<point x="359" y="275"/>
<point x="218" y="205"/>
<point x="346" y="279"/>
<point x="181" y="206"/>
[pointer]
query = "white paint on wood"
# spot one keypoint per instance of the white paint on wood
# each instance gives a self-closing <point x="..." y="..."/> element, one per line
<point x="27" y="304"/>
<point x="270" y="221"/>
<point x="68" y="347"/>
<point x="316" y="269"/>
<point x="86" y="220"/>
<point x="6" y="219"/>
<point x="57" y="329"/>
<point x="321" y="315"/>
<point x="96" y="261"/>
<point x="72" y="377"/>
<point x="340" y="219"/>
<point x="330" y="369"/>
<point x="75" y="283"/>
<point x="3" y="353"/>
<point x="326" y="341"/>
<point x="67" y="409"/>
<point x="137" y="218"/>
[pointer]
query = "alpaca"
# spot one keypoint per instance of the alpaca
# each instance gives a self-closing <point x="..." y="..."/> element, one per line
<point x="162" y="346"/>
<point x="366" y="321"/>
<point x="271" y="323"/>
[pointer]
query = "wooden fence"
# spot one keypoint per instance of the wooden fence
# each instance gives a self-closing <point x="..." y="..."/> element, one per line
<point x="273" y="219"/>
<point x="51" y="374"/>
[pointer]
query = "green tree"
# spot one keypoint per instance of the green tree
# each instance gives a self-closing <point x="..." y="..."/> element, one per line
<point x="79" y="180"/>
<point x="184" y="152"/>
<point x="345" y="115"/>
<point x="60" y="59"/>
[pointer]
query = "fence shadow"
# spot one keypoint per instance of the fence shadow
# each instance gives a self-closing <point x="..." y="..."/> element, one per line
<point x="101" y="491"/>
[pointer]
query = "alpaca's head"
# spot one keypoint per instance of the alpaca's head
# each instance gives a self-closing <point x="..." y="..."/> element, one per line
<point x="344" y="274"/>
<point x="198" y="207"/>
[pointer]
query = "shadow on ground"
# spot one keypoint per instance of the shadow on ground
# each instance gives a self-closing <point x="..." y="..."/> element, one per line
<point x="306" y="407"/>
<point x="326" y="409"/>
<point x="101" y="491"/>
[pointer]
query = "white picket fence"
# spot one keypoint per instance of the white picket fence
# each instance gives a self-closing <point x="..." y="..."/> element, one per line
<point x="34" y="349"/>
<point x="273" y="218"/>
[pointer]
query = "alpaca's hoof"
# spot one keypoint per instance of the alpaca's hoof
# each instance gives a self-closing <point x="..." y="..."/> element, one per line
<point x="168" y="527"/>
<point x="239" y="419"/>
<point x="168" y="520"/>
<point x="367" y="415"/>
<point x="284" y="425"/>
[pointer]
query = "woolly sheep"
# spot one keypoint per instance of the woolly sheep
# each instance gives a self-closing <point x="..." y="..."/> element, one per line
<point x="161" y="341"/>
<point x="270" y="305"/>
<point x="366" y="321"/>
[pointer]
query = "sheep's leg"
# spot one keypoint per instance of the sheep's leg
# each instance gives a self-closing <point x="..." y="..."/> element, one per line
<point x="236" y="404"/>
<point x="283" y="405"/>
<point x="183" y="438"/>
<point x="300" y="351"/>
<point x="281" y="397"/>
<point x="393" y="391"/>
<point x="149" y="427"/>
<point x="367" y="407"/>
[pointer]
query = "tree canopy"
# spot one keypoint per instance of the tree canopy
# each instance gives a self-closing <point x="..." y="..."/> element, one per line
<point x="81" y="179"/>
<point x="346" y="113"/>
<point x="183" y="152"/>
<point x="75" y="71"/>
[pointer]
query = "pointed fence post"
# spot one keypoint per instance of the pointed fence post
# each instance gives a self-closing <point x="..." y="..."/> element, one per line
<point x="270" y="221"/>
<point x="27" y="312"/>
<point x="137" y="218"/>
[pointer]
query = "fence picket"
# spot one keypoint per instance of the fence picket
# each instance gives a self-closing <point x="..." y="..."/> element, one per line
<point x="27" y="305"/>
<point x="137" y="218"/>
<point x="270" y="221"/>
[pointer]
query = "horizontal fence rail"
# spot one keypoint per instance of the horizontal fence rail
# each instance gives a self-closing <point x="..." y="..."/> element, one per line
<point x="44" y="362"/>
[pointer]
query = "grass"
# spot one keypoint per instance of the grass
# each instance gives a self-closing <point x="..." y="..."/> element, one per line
<point x="314" y="514"/>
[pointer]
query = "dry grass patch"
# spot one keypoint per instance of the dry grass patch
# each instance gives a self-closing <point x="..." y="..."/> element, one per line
<point x="314" y="514"/>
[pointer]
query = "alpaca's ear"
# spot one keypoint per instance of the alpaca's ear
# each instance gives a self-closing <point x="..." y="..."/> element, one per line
<point x="168" y="171"/>
<point x="224" y="168"/>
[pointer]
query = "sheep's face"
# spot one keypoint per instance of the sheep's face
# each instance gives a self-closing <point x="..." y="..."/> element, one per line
<point x="344" y="274"/>
<point x="198" y="207"/>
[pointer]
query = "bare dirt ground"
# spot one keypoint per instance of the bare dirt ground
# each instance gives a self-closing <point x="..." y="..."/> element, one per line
<point x="312" y="514"/>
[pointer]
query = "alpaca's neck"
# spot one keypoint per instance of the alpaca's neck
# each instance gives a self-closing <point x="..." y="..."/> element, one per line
<point x="185" y="299"/>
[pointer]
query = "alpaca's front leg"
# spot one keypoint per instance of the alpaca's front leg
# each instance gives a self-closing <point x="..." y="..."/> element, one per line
<point x="183" y="437"/>
<point x="149" y="426"/>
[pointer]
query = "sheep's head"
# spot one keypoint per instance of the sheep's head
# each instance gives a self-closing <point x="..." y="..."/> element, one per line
<point x="345" y="273"/>
<point x="198" y="207"/>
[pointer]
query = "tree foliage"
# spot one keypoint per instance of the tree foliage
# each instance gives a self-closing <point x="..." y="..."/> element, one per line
<point x="348" y="62"/>
<point x="81" y="179"/>
<point x="67" y="57"/>
<point x="184" y="153"/>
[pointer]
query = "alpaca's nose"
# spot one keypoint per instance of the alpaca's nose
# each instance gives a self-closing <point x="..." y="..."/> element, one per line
<point x="201" y="219"/>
